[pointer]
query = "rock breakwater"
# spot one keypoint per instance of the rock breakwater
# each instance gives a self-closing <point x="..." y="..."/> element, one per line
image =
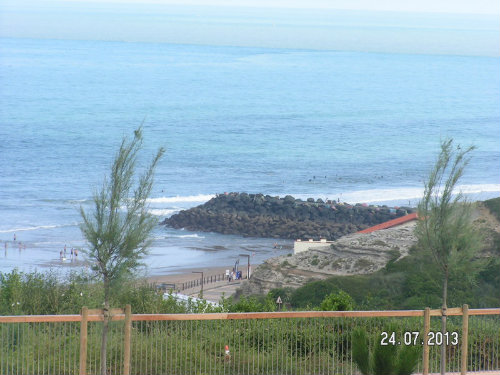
<point x="259" y="215"/>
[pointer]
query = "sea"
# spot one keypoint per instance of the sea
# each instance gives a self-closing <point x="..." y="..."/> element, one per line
<point x="359" y="127"/>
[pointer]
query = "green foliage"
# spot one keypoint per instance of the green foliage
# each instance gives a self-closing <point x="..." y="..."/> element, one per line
<point x="310" y="294"/>
<point x="118" y="229"/>
<point x="296" y="341"/>
<point x="360" y="351"/>
<point x="394" y="255"/>
<point x="263" y="346"/>
<point x="408" y="359"/>
<point x="445" y="225"/>
<point x="284" y="293"/>
<point x="445" y="221"/>
<point x="383" y="359"/>
<point x="409" y="283"/>
<point x="252" y="304"/>
<point x="46" y="293"/>
<point x="50" y="293"/>
<point x="339" y="301"/>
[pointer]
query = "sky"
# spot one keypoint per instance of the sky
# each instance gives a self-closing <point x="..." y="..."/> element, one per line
<point x="440" y="6"/>
<point x="460" y="27"/>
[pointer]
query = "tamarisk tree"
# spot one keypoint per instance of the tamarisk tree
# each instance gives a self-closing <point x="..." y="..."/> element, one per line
<point x="118" y="228"/>
<point x="445" y="220"/>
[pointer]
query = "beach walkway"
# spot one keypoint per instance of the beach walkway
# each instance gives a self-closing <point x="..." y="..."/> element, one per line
<point x="212" y="291"/>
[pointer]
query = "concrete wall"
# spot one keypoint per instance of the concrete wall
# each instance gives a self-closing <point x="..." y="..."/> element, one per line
<point x="301" y="246"/>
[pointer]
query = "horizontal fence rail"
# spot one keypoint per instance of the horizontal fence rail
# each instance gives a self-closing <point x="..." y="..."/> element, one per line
<point x="117" y="314"/>
<point x="318" y="342"/>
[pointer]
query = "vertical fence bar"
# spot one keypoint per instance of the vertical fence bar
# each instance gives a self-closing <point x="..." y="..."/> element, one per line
<point x="427" y="325"/>
<point x="83" y="340"/>
<point x="126" y="339"/>
<point x="465" y="336"/>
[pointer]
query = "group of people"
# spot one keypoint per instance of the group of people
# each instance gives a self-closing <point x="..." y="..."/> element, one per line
<point x="73" y="254"/>
<point x="62" y="253"/>
<point x="233" y="275"/>
<point x="21" y="246"/>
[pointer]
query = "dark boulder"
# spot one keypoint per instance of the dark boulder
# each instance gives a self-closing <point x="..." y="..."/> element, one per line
<point x="273" y="217"/>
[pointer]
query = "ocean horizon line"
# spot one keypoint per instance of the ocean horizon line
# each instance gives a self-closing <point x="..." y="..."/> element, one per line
<point x="495" y="55"/>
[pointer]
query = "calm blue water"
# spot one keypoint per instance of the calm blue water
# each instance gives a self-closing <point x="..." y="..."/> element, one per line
<point x="362" y="127"/>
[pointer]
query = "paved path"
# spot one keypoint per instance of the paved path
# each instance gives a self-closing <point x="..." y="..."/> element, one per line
<point x="213" y="292"/>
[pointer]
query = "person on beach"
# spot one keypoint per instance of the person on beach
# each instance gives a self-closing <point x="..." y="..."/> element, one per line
<point x="14" y="237"/>
<point x="61" y="254"/>
<point x="76" y="253"/>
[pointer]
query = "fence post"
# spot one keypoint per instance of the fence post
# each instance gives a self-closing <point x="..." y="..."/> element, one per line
<point x="127" y="337"/>
<point x="427" y="326"/>
<point x="83" y="340"/>
<point x="465" y="336"/>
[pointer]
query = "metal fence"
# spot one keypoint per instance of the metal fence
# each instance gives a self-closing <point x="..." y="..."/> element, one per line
<point x="240" y="343"/>
<point x="203" y="281"/>
<point x="197" y="282"/>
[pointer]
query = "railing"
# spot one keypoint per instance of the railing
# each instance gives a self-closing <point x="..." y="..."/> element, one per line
<point x="238" y="343"/>
<point x="195" y="283"/>
<point x="206" y="280"/>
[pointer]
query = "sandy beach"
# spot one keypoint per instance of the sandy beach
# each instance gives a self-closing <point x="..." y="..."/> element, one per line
<point x="187" y="275"/>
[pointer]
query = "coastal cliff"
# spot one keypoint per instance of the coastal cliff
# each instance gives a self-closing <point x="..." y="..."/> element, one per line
<point x="354" y="254"/>
<point x="363" y="253"/>
<point x="259" y="215"/>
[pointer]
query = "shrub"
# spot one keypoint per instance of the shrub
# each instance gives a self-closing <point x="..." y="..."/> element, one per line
<point x="337" y="301"/>
<point x="383" y="359"/>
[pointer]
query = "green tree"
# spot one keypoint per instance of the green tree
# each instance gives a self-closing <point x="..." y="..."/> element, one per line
<point x="340" y="301"/>
<point x="445" y="221"/>
<point x="119" y="226"/>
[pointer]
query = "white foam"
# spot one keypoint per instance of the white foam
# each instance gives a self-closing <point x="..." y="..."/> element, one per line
<point x="29" y="228"/>
<point x="162" y="212"/>
<point x="188" y="198"/>
<point x="36" y="228"/>
<point x="398" y="194"/>
<point x="474" y="189"/>
<point x="186" y="236"/>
